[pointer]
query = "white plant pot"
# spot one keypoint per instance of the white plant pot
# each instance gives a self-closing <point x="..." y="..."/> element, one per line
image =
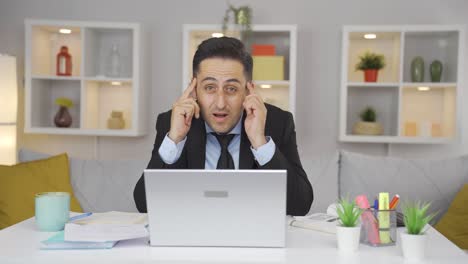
<point x="348" y="238"/>
<point x="413" y="246"/>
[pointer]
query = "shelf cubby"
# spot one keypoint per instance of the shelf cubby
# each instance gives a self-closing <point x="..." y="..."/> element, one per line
<point x="384" y="100"/>
<point x="386" y="43"/>
<point x="98" y="47"/>
<point x="428" y="113"/>
<point x="439" y="45"/>
<point x="282" y="46"/>
<point x="103" y="97"/>
<point x="43" y="106"/>
<point x="47" y="41"/>
<point x="276" y="95"/>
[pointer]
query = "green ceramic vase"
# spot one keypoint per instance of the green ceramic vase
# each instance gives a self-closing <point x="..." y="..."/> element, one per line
<point x="436" y="71"/>
<point x="417" y="69"/>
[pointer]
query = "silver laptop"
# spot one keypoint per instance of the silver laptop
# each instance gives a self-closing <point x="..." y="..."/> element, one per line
<point x="245" y="208"/>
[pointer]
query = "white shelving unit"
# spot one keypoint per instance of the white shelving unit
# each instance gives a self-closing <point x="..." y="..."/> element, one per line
<point x="281" y="93"/>
<point x="94" y="94"/>
<point x="409" y="112"/>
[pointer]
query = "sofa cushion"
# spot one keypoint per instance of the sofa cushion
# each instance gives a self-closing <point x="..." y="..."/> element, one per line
<point x="436" y="181"/>
<point x="454" y="224"/>
<point x="101" y="185"/>
<point x="20" y="183"/>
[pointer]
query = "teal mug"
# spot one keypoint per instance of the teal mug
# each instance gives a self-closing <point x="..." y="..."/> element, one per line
<point x="52" y="210"/>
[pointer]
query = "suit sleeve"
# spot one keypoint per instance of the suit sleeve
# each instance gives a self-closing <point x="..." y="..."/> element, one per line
<point x="162" y="128"/>
<point x="299" y="190"/>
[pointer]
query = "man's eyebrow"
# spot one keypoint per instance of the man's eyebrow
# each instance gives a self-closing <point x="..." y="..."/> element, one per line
<point x="233" y="80"/>
<point x="214" y="79"/>
<point x="209" y="79"/>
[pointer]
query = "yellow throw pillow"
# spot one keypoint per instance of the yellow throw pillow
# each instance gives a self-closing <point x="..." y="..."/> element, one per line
<point x="19" y="184"/>
<point x="454" y="224"/>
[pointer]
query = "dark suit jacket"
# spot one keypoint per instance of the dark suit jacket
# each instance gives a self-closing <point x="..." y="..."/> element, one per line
<point x="279" y="126"/>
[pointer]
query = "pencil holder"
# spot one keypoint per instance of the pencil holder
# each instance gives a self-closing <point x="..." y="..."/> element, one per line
<point x="378" y="227"/>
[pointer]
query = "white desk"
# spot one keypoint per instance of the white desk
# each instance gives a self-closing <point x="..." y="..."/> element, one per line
<point x="20" y="244"/>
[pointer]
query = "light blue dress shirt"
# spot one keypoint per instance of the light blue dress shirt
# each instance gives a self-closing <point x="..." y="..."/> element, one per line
<point x="170" y="152"/>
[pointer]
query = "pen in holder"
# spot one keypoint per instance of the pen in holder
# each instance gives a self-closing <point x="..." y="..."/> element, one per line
<point x="378" y="227"/>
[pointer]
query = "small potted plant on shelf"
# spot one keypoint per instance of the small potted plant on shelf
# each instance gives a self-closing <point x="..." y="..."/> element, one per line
<point x="368" y="124"/>
<point x="413" y="239"/>
<point x="348" y="230"/>
<point x="242" y="17"/>
<point x="370" y="63"/>
<point x="63" y="117"/>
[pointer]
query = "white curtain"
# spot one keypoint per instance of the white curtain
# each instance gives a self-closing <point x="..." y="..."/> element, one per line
<point x="8" y="109"/>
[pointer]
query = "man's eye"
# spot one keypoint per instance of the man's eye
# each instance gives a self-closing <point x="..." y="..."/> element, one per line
<point x="210" y="88"/>
<point x="231" y="89"/>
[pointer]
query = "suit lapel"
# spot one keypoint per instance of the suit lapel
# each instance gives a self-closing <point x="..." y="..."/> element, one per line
<point x="246" y="158"/>
<point x="196" y="149"/>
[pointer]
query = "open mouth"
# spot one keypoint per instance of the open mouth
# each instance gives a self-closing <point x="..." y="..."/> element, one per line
<point x="220" y="116"/>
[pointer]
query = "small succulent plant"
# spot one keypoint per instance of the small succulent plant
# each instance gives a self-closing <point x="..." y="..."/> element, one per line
<point x="368" y="115"/>
<point x="416" y="217"/>
<point x="348" y="212"/>
<point x="243" y="17"/>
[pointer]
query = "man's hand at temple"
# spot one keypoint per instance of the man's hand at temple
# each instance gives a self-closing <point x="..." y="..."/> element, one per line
<point x="183" y="110"/>
<point x="256" y="117"/>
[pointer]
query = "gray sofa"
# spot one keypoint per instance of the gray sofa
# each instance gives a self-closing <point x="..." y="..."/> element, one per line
<point x="437" y="181"/>
<point x="100" y="185"/>
<point x="108" y="185"/>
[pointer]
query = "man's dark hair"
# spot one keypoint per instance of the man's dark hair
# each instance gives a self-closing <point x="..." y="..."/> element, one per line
<point x="224" y="47"/>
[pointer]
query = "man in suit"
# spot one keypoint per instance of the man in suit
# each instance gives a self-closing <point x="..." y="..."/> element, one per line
<point x="219" y="122"/>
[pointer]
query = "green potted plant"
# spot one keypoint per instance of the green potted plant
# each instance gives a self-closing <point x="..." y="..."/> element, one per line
<point x="370" y="63"/>
<point x="368" y="124"/>
<point x="63" y="117"/>
<point x="242" y="17"/>
<point x="413" y="239"/>
<point x="348" y="230"/>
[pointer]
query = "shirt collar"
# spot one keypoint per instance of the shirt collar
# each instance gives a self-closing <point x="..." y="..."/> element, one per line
<point x="236" y="130"/>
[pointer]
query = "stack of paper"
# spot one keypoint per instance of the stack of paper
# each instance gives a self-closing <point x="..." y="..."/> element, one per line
<point x="113" y="217"/>
<point x="318" y="222"/>
<point x="110" y="226"/>
<point x="57" y="241"/>
<point x="99" y="230"/>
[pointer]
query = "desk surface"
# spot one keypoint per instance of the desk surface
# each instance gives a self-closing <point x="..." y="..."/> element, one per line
<point x="20" y="244"/>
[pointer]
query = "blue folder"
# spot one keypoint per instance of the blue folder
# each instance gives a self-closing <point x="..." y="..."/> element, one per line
<point x="57" y="241"/>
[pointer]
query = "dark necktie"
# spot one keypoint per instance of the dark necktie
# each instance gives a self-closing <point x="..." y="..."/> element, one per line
<point x="225" y="159"/>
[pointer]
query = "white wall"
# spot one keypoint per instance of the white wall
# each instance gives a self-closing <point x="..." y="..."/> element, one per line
<point x="319" y="35"/>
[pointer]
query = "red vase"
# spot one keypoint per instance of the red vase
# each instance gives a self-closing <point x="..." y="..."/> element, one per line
<point x="63" y="117"/>
<point x="370" y="75"/>
<point x="64" y="63"/>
